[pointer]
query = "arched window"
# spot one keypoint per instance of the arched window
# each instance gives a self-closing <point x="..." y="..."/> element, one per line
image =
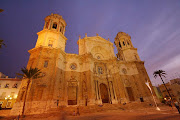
<point x="46" y="64"/>
<point x="47" y="25"/>
<point x="50" y="44"/>
<point x="7" y="85"/>
<point x="123" y="43"/>
<point x="119" y="44"/>
<point x="54" y="25"/>
<point x="61" y="28"/>
<point x="100" y="70"/>
<point x="15" y="85"/>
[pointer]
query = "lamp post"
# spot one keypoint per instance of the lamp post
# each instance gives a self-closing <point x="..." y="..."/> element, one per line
<point x="8" y="98"/>
<point x="147" y="83"/>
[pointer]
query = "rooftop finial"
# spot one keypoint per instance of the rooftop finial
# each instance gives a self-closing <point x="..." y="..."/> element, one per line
<point x="108" y="39"/>
<point x="79" y="37"/>
<point x="85" y="34"/>
<point x="97" y="34"/>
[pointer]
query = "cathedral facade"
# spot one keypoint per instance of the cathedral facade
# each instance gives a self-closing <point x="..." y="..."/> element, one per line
<point x="94" y="76"/>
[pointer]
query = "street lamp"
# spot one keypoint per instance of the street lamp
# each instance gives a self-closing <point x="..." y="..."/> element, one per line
<point x="147" y="83"/>
<point x="8" y="98"/>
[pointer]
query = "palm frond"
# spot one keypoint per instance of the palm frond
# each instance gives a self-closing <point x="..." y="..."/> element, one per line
<point x="20" y="74"/>
<point x="2" y="43"/>
<point x="163" y="76"/>
<point x="159" y="73"/>
<point x="155" y="75"/>
<point x="31" y="73"/>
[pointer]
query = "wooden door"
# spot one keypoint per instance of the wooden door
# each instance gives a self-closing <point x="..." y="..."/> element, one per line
<point x="104" y="93"/>
<point x="72" y="95"/>
<point x="130" y="93"/>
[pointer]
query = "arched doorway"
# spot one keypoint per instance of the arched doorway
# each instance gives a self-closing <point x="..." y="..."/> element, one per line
<point x="72" y="92"/>
<point x="130" y="94"/>
<point x="104" y="93"/>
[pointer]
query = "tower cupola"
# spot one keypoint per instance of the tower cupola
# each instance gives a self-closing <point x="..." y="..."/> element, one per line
<point x="125" y="48"/>
<point x="52" y="35"/>
<point x="55" y="22"/>
<point x="123" y="41"/>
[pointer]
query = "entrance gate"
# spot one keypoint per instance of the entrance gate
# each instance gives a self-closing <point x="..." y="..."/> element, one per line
<point x="72" y="92"/>
<point x="104" y="93"/>
<point x="130" y="93"/>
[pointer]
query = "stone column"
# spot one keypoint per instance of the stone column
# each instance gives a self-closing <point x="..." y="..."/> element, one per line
<point x="113" y="95"/>
<point x="99" y="101"/>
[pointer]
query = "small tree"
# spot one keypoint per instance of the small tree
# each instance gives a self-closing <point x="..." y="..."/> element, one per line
<point x="29" y="74"/>
<point x="161" y="74"/>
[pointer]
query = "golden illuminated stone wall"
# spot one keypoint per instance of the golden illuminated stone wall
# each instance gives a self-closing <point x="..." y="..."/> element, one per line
<point x="94" y="76"/>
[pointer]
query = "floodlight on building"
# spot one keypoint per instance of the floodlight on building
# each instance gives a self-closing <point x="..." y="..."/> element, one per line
<point x="5" y="98"/>
<point x="148" y="85"/>
<point x="8" y="95"/>
<point x="15" y="96"/>
<point x="10" y="98"/>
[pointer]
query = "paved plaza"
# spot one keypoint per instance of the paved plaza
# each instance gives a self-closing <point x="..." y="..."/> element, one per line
<point x="150" y="113"/>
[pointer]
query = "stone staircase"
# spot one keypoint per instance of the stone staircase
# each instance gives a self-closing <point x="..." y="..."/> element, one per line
<point x="86" y="109"/>
<point x="97" y="108"/>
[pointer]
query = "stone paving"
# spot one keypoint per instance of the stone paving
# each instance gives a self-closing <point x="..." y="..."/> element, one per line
<point x="123" y="113"/>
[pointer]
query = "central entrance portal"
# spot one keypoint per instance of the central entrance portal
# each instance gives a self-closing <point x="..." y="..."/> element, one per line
<point x="72" y="92"/>
<point x="104" y="93"/>
<point x="72" y="95"/>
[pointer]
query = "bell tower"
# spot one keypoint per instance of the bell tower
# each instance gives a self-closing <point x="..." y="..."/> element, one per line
<point x="53" y="32"/>
<point x="126" y="51"/>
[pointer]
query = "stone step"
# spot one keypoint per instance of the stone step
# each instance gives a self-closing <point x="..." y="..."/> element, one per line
<point x="104" y="107"/>
<point x="86" y="109"/>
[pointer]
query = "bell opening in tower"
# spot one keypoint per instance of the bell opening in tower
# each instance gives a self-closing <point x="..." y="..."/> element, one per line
<point x="54" y="26"/>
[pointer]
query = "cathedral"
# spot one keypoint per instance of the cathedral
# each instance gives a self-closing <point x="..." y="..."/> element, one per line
<point x="95" y="76"/>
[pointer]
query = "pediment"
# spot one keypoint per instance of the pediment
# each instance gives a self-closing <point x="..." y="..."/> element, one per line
<point x="99" y="39"/>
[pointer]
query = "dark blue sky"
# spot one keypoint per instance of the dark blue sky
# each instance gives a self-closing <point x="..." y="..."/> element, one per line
<point x="154" y="26"/>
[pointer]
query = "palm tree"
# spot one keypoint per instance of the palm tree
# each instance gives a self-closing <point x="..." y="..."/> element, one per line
<point x="29" y="74"/>
<point x="161" y="74"/>
<point x="1" y="43"/>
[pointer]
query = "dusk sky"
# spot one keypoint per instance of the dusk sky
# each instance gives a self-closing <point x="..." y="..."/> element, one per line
<point x="154" y="27"/>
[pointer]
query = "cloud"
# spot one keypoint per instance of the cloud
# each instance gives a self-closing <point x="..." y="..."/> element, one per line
<point x="172" y="64"/>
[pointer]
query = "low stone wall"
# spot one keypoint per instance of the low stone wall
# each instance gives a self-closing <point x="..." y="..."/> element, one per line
<point x="35" y="107"/>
